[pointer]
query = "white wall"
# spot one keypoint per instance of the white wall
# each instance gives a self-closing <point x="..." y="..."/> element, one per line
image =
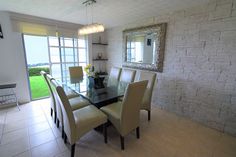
<point x="199" y="76"/>
<point x="12" y="60"/>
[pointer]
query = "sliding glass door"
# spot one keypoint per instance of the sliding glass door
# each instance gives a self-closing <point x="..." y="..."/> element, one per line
<point x="36" y="50"/>
<point x="60" y="53"/>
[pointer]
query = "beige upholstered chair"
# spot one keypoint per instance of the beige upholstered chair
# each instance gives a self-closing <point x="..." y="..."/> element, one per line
<point x="76" y="74"/>
<point x="75" y="103"/>
<point x="147" y="99"/>
<point x="52" y="99"/>
<point x="114" y="76"/>
<point x="79" y="122"/>
<point x="127" y="75"/>
<point x="125" y="115"/>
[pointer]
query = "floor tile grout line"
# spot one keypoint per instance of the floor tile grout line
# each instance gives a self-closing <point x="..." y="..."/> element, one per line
<point x="44" y="114"/>
<point x="30" y="148"/>
<point x="47" y="120"/>
<point x="52" y="131"/>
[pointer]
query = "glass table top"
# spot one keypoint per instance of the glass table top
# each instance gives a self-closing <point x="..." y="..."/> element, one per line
<point x="112" y="90"/>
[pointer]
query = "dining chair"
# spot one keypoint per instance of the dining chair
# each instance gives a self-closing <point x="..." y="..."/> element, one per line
<point x="54" y="105"/>
<point x="125" y="115"/>
<point x="147" y="99"/>
<point x="114" y="76"/>
<point x="79" y="122"/>
<point x="52" y="99"/>
<point x="76" y="74"/>
<point x="127" y="75"/>
<point x="75" y="103"/>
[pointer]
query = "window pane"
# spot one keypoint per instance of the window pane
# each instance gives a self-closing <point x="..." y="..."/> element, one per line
<point x="68" y="42"/>
<point x="55" y="55"/>
<point x="132" y="44"/>
<point x="75" y="42"/>
<point x="61" y="41"/>
<point x="53" y="41"/>
<point x="82" y="64"/>
<point x="128" y="44"/>
<point x="56" y="71"/>
<point x="68" y="55"/>
<point x="82" y="55"/>
<point x="76" y="55"/>
<point x="82" y="43"/>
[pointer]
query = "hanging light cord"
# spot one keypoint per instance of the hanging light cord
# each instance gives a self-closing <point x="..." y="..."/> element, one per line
<point x="92" y="12"/>
<point x="93" y="27"/>
<point x="87" y="14"/>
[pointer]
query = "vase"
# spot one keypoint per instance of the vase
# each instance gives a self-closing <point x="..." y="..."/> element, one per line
<point x="96" y="82"/>
<point x="90" y="82"/>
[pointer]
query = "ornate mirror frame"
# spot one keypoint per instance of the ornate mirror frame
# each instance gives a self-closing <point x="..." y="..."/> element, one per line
<point x="160" y="29"/>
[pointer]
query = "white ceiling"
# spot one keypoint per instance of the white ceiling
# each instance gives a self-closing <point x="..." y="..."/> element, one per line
<point x="109" y="12"/>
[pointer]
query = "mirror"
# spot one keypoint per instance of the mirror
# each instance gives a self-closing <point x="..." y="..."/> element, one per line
<point x="144" y="47"/>
<point x="141" y="48"/>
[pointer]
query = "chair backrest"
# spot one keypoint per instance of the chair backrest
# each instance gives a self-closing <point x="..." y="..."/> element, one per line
<point x="76" y="73"/>
<point x="68" y="118"/>
<point x="55" y="98"/>
<point x="49" y="78"/>
<point x="114" y="76"/>
<point x="127" y="75"/>
<point x="151" y="77"/>
<point x="45" y="76"/>
<point x="131" y="106"/>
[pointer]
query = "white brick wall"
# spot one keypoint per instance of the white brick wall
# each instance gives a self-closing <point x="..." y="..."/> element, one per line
<point x="199" y="76"/>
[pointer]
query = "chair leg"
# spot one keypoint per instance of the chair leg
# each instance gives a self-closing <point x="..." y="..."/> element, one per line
<point x="55" y="118"/>
<point x="65" y="138"/>
<point x="51" y="112"/>
<point x="72" y="150"/>
<point x="122" y="142"/>
<point x="149" y="115"/>
<point x="137" y="133"/>
<point x="62" y="132"/>
<point x="58" y="122"/>
<point x="105" y="132"/>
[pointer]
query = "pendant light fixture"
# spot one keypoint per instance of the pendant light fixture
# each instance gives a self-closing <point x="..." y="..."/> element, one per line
<point x="93" y="27"/>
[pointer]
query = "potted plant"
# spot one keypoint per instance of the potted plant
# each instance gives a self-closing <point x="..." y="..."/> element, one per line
<point x="94" y="79"/>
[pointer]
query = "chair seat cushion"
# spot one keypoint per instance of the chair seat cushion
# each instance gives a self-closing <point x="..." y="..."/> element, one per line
<point x="113" y="112"/>
<point x="70" y="94"/>
<point x="78" y="102"/>
<point x="88" y="118"/>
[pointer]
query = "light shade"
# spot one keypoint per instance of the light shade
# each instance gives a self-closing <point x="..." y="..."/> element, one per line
<point x="92" y="28"/>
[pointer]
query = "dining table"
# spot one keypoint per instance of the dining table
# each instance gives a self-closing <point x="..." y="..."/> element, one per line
<point x="109" y="92"/>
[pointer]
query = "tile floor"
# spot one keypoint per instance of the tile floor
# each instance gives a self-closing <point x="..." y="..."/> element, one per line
<point x="32" y="133"/>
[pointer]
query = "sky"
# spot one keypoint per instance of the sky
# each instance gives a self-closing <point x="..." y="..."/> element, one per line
<point x="36" y="49"/>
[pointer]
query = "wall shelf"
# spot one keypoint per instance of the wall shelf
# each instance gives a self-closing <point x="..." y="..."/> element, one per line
<point x="100" y="44"/>
<point x="102" y="73"/>
<point x="102" y="59"/>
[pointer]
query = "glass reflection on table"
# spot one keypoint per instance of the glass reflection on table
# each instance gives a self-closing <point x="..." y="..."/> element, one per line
<point x="99" y="97"/>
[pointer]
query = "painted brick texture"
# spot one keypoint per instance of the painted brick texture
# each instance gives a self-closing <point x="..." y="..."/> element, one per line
<point x="199" y="76"/>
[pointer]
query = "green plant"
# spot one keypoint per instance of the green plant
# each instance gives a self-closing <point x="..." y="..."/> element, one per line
<point x="36" y="71"/>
